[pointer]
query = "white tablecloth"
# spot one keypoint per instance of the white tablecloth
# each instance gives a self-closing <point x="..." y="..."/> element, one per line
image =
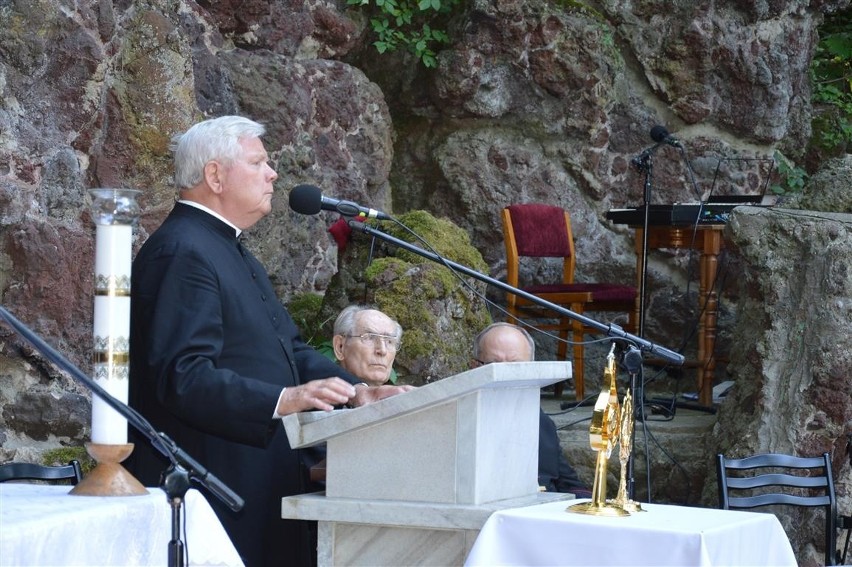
<point x="663" y="535"/>
<point x="44" y="525"/>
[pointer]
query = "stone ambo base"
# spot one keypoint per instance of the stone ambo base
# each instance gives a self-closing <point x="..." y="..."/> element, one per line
<point x="109" y="478"/>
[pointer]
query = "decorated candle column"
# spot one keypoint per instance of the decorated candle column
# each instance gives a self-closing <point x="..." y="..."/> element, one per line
<point x="115" y="213"/>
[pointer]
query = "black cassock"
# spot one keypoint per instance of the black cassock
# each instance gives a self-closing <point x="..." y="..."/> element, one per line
<point x="554" y="471"/>
<point x="211" y="347"/>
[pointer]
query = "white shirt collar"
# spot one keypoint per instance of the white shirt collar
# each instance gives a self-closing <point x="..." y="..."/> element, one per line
<point x="211" y="212"/>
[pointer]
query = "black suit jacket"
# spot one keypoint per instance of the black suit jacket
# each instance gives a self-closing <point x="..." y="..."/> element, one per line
<point x="211" y="348"/>
<point x="555" y="473"/>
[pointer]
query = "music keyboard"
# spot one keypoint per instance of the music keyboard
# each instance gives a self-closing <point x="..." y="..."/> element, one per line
<point x="674" y="215"/>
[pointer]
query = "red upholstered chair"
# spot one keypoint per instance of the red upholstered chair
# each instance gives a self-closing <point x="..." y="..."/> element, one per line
<point x="544" y="231"/>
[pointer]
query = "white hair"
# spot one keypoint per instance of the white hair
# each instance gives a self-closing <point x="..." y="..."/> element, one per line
<point x="214" y="139"/>
<point x="345" y="322"/>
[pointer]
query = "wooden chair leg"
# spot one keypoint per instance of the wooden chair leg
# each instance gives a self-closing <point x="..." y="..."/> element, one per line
<point x="579" y="382"/>
<point x="561" y="354"/>
<point x="513" y="316"/>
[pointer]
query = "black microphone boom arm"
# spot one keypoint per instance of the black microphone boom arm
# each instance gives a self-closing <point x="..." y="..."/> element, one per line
<point x="160" y="441"/>
<point x="610" y="330"/>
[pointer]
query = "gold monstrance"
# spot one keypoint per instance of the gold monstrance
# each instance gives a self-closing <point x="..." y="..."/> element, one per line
<point x="625" y="445"/>
<point x="603" y="435"/>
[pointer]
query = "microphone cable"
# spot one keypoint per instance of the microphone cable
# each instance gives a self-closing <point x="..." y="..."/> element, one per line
<point x="487" y="302"/>
<point x="308" y="200"/>
<point x="671" y="458"/>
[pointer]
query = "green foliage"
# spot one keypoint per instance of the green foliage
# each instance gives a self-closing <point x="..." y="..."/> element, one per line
<point x="582" y="8"/>
<point x="415" y="26"/>
<point x="831" y="76"/>
<point x="792" y="177"/>
<point x="304" y="309"/>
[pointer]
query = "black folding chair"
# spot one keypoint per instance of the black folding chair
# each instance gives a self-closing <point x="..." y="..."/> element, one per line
<point x="32" y="471"/>
<point x="812" y="486"/>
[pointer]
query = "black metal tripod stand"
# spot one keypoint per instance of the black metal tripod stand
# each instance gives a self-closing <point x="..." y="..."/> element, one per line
<point x="644" y="163"/>
<point x="175" y="482"/>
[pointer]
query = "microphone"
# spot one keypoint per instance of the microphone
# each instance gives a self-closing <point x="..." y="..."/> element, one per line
<point x="632" y="360"/>
<point x="660" y="135"/>
<point x="640" y="161"/>
<point x="309" y="200"/>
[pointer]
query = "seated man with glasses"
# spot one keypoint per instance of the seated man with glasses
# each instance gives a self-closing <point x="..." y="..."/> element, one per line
<point x="504" y="342"/>
<point x="365" y="343"/>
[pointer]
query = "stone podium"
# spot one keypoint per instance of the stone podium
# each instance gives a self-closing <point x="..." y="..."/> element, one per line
<point x="410" y="480"/>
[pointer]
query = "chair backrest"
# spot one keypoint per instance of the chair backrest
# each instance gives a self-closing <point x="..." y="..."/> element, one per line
<point x="775" y="479"/>
<point x="32" y="471"/>
<point x="538" y="231"/>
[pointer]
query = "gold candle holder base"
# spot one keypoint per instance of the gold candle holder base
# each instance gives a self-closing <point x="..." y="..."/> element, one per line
<point x="627" y="505"/>
<point x="595" y="509"/>
<point x="109" y="478"/>
<point x="598" y="505"/>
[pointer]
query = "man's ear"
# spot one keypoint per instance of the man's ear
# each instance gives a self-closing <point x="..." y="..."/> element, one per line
<point x="213" y="176"/>
<point x="337" y="342"/>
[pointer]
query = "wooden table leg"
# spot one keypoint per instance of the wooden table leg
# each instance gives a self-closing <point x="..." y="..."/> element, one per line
<point x="709" y="241"/>
<point x="709" y="305"/>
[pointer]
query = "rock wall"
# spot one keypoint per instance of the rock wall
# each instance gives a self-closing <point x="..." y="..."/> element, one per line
<point x="536" y="101"/>
<point x="440" y="311"/>
<point x="531" y="101"/>
<point x="792" y="354"/>
<point x="791" y="365"/>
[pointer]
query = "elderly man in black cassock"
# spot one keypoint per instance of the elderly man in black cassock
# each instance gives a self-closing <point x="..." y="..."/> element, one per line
<point x="216" y="359"/>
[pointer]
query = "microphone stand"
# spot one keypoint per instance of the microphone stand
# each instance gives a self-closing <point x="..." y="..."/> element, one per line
<point x="610" y="330"/>
<point x="183" y="469"/>
<point x="643" y="162"/>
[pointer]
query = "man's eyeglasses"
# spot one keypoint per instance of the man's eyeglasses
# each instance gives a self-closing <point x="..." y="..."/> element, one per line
<point x="390" y="342"/>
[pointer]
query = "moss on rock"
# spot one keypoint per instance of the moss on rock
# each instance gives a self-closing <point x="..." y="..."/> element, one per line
<point x="304" y="308"/>
<point x="64" y="455"/>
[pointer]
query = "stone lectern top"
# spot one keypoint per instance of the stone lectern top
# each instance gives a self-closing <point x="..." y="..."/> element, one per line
<point x="471" y="438"/>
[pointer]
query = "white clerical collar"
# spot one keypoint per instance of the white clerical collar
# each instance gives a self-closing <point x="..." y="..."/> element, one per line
<point x="211" y="212"/>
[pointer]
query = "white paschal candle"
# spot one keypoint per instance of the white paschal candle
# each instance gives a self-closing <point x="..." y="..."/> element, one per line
<point x="115" y="212"/>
